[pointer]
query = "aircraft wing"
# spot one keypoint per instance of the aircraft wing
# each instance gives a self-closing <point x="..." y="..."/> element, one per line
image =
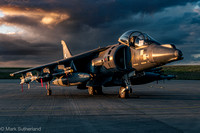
<point x="63" y="61"/>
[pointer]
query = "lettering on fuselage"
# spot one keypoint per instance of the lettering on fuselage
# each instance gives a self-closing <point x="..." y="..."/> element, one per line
<point x="140" y="58"/>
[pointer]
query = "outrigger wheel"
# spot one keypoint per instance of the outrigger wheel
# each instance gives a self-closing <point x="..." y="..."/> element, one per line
<point x="49" y="91"/>
<point x="123" y="92"/>
<point x="95" y="90"/>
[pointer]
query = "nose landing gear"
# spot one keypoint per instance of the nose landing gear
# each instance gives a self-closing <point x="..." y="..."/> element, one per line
<point x="125" y="91"/>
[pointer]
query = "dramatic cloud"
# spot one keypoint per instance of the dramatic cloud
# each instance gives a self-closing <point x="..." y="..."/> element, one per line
<point x="37" y="14"/>
<point x="31" y="30"/>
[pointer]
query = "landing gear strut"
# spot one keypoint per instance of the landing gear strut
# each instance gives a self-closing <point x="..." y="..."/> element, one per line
<point x="125" y="91"/>
<point x="95" y="90"/>
<point x="49" y="91"/>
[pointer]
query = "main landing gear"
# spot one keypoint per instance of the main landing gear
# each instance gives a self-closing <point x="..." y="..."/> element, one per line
<point x="95" y="90"/>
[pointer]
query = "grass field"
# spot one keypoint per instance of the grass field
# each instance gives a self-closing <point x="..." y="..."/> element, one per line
<point x="187" y="72"/>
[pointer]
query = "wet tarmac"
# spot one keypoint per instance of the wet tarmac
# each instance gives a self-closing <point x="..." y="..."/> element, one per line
<point x="170" y="107"/>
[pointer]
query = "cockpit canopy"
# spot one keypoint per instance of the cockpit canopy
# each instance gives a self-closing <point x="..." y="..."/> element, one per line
<point x="136" y="39"/>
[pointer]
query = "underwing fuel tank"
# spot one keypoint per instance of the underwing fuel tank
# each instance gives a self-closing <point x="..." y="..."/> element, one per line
<point x="27" y="79"/>
<point x="149" y="77"/>
<point x="72" y="79"/>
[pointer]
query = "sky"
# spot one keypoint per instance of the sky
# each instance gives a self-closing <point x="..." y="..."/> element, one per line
<point x="31" y="30"/>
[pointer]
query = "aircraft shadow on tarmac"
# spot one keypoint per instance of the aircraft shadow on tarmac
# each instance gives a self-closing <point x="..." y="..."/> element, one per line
<point x="162" y="96"/>
<point x="137" y="95"/>
<point x="111" y="93"/>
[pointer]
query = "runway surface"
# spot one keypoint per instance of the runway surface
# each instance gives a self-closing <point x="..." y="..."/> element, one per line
<point x="170" y="107"/>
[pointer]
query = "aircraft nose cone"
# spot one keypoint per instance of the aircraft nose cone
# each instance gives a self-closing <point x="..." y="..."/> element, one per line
<point x="178" y="54"/>
<point x="163" y="55"/>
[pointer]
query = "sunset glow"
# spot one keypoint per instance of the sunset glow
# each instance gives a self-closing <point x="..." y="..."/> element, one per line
<point x="10" y="30"/>
<point x="31" y="30"/>
<point x="44" y="17"/>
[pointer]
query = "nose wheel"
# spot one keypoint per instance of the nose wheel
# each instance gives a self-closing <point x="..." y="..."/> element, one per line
<point x="124" y="93"/>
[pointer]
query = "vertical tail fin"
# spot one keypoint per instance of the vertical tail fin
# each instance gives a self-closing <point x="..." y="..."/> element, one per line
<point x="66" y="51"/>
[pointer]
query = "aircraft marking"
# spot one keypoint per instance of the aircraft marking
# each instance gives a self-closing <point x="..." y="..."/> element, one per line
<point x="143" y="62"/>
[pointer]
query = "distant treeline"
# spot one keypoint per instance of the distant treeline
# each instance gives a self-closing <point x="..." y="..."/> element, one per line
<point x="5" y="73"/>
<point x="186" y="72"/>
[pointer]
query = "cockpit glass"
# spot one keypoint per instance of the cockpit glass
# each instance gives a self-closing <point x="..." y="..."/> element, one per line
<point x="136" y="39"/>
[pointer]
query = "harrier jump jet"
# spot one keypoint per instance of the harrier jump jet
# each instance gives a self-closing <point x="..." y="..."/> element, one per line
<point x="134" y="60"/>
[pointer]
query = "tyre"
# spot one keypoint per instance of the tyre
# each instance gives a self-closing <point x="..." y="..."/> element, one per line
<point x="49" y="92"/>
<point x="91" y="90"/>
<point x="123" y="93"/>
